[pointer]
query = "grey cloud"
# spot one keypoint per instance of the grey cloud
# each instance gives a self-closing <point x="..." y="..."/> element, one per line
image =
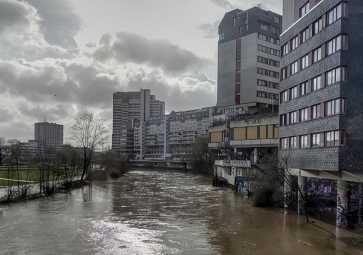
<point x="210" y="30"/>
<point x="59" y="83"/>
<point x="59" y="22"/>
<point x="154" y="53"/>
<point x="176" y="99"/>
<point x="222" y="3"/>
<point x="13" y="14"/>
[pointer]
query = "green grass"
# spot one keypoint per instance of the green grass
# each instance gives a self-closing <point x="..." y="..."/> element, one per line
<point x="30" y="175"/>
<point x="5" y="183"/>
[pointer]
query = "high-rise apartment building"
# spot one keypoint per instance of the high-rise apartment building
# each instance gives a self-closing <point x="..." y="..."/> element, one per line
<point x="130" y="112"/>
<point x="48" y="134"/>
<point x="248" y="60"/>
<point x="321" y="113"/>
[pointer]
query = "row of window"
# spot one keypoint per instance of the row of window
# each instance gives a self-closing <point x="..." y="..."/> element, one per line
<point x="270" y="73"/>
<point x="268" y="84"/>
<point x="330" y="17"/>
<point x="268" y="61"/>
<point x="338" y="43"/>
<point x="264" y="94"/>
<point x="273" y="29"/>
<point x="335" y="75"/>
<point x="268" y="39"/>
<point x="268" y="50"/>
<point x="324" y="139"/>
<point x="328" y="108"/>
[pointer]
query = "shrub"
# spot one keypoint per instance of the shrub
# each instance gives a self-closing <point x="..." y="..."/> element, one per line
<point x="263" y="197"/>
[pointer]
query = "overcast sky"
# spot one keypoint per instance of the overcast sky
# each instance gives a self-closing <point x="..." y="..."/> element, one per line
<point x="58" y="57"/>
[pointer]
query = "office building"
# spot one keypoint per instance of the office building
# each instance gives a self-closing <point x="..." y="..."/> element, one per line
<point x="248" y="61"/>
<point x="185" y="127"/>
<point x="320" y="97"/>
<point x="48" y="134"/>
<point x="130" y="112"/>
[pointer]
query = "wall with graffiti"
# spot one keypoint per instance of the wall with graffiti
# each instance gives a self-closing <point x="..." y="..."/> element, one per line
<point x="245" y="186"/>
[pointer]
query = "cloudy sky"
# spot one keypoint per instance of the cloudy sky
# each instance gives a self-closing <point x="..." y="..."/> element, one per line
<point x="58" y="57"/>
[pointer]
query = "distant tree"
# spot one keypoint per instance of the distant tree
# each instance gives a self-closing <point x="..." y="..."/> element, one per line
<point x="202" y="157"/>
<point x="115" y="165"/>
<point x="88" y="132"/>
<point x="69" y="162"/>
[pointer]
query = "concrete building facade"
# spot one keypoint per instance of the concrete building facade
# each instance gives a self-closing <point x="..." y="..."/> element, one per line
<point x="130" y="112"/>
<point x="320" y="95"/>
<point x="48" y="134"/>
<point x="185" y="127"/>
<point x="248" y="60"/>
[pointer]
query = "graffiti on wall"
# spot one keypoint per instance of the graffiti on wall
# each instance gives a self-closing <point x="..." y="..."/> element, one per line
<point x="244" y="187"/>
<point x="324" y="188"/>
<point x="341" y="211"/>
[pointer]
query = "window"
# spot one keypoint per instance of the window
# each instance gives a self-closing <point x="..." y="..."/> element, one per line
<point x="293" y="92"/>
<point x="283" y="121"/>
<point x="274" y="63"/>
<point x="304" y="114"/>
<point x="293" y="142"/>
<point x="304" y="141"/>
<point x="304" y="88"/>
<point x="262" y="71"/>
<point x="285" y="49"/>
<point x="285" y="96"/>
<point x="316" y="83"/>
<point x="305" y="35"/>
<point x="304" y="9"/>
<point x="304" y="61"/>
<point x="262" y="94"/>
<point x="316" y="111"/>
<point x="277" y="20"/>
<point x="274" y="41"/>
<point x="273" y="29"/>
<point x="335" y="75"/>
<point x="294" y="67"/>
<point x="294" y="43"/>
<point x="264" y="27"/>
<point x="262" y="83"/>
<point x="284" y="73"/>
<point x="221" y="36"/>
<point x="262" y="37"/>
<point x="273" y="96"/>
<point x="318" y="26"/>
<point x="332" y="138"/>
<point x="284" y="143"/>
<point x="263" y="48"/>
<point x="335" y="106"/>
<point x="274" y="74"/>
<point x="315" y="140"/>
<point x="338" y="43"/>
<point x="293" y="117"/>
<point x="316" y="55"/>
<point x="273" y="85"/>
<point x="262" y="60"/>
<point x="336" y="13"/>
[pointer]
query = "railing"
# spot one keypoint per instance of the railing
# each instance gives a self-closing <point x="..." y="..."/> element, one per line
<point x="234" y="163"/>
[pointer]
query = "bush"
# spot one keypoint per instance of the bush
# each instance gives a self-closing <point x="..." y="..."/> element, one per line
<point x="114" y="175"/>
<point x="263" y="197"/>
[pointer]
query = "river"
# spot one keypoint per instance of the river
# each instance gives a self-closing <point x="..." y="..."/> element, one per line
<point x="161" y="212"/>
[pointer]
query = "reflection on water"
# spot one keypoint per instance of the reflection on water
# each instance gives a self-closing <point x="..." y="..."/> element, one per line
<point x="159" y="212"/>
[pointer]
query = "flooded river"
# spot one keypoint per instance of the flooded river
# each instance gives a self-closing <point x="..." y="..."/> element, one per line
<point x="160" y="212"/>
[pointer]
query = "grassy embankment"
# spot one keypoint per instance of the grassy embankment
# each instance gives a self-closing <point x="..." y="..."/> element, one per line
<point x="26" y="174"/>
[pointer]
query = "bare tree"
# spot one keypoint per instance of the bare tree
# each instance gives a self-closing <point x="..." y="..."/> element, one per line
<point x="88" y="132"/>
<point x="69" y="163"/>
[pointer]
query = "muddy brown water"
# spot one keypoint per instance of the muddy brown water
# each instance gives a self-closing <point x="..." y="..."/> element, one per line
<point x="161" y="212"/>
